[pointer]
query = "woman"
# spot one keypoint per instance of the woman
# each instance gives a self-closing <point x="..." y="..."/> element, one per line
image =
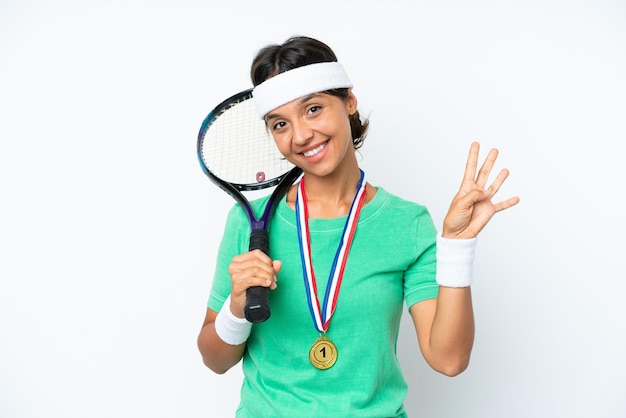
<point x="345" y="256"/>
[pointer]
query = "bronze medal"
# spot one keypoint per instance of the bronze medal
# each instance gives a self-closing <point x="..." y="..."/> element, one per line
<point x="323" y="353"/>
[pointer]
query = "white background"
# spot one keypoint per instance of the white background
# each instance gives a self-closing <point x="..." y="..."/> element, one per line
<point x="108" y="228"/>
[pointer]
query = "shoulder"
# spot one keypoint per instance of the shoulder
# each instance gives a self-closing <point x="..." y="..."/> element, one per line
<point x="400" y="211"/>
<point x="396" y="204"/>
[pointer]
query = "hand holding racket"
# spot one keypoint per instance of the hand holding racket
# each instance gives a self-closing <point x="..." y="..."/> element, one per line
<point x="237" y="152"/>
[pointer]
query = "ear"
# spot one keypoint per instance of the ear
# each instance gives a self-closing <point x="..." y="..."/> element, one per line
<point x="351" y="103"/>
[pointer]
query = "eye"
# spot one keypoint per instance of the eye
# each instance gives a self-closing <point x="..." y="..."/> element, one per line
<point x="276" y="126"/>
<point x="314" y="109"/>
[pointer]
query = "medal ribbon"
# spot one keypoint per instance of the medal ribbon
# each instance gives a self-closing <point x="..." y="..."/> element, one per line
<point x="321" y="318"/>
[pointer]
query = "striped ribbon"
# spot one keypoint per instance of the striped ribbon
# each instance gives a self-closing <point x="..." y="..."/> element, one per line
<point x="321" y="317"/>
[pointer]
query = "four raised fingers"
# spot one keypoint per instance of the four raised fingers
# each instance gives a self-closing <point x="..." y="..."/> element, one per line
<point x="483" y="176"/>
<point x="474" y="180"/>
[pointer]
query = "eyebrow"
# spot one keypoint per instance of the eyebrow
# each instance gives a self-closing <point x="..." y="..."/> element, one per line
<point x="301" y="101"/>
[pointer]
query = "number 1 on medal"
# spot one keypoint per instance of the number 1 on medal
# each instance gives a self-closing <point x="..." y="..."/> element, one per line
<point x="323" y="353"/>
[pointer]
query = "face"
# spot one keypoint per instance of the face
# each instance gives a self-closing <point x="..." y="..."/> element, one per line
<point x="313" y="132"/>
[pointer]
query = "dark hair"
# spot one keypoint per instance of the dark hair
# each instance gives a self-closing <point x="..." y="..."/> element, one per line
<point x="299" y="51"/>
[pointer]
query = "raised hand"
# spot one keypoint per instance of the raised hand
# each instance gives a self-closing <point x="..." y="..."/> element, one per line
<point x="471" y="208"/>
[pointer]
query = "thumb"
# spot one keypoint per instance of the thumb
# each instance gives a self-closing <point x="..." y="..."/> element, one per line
<point x="474" y="196"/>
<point x="277" y="264"/>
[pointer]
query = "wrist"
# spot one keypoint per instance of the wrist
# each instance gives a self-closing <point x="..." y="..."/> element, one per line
<point x="230" y="328"/>
<point x="455" y="261"/>
<point x="450" y="234"/>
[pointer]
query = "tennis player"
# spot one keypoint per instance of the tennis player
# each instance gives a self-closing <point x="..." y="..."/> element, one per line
<point x="345" y="257"/>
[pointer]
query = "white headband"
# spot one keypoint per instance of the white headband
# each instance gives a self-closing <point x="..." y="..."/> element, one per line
<point x="290" y="85"/>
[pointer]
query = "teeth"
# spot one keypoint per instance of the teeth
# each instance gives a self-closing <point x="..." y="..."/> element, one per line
<point x="314" y="151"/>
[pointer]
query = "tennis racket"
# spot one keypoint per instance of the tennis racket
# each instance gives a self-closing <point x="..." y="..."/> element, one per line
<point x="237" y="152"/>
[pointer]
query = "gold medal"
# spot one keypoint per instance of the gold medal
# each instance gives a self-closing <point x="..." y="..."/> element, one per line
<point x="323" y="353"/>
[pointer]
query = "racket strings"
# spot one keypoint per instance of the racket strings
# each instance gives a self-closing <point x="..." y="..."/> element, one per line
<point x="238" y="148"/>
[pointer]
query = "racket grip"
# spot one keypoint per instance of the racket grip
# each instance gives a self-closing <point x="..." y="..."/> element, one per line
<point x="259" y="240"/>
<point x="257" y="307"/>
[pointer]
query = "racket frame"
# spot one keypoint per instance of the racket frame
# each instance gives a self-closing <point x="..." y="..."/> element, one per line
<point x="257" y="304"/>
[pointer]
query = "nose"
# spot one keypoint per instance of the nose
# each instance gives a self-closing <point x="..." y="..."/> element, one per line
<point x="302" y="133"/>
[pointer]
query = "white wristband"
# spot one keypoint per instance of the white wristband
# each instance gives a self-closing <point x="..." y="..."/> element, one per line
<point x="229" y="328"/>
<point x="455" y="261"/>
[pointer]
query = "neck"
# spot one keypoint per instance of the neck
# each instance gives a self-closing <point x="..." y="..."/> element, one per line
<point x="331" y="196"/>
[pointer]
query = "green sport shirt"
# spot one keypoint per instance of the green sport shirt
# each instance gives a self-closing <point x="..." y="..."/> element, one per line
<point x="392" y="260"/>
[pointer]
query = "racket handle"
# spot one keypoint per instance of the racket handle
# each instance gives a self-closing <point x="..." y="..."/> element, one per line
<point x="257" y="307"/>
<point x="259" y="240"/>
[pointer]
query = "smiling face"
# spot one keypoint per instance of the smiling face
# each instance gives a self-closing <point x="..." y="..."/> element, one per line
<point x="313" y="132"/>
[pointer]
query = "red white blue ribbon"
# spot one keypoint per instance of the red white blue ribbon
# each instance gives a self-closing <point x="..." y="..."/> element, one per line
<point x="321" y="314"/>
